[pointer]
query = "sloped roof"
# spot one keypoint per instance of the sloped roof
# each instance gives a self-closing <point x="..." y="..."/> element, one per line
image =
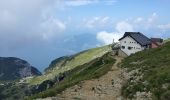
<point x="138" y="37"/>
<point x="157" y="40"/>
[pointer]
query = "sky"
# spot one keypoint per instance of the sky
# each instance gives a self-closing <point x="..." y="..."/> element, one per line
<point x="40" y="31"/>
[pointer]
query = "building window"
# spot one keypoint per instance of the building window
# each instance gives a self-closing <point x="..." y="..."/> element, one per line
<point x="123" y="47"/>
<point x="130" y="48"/>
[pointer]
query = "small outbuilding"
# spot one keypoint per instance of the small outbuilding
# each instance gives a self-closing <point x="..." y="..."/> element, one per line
<point x="156" y="42"/>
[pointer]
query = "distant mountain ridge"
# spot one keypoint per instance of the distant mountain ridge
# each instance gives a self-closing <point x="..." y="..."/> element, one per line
<point x="12" y="68"/>
<point x="61" y="61"/>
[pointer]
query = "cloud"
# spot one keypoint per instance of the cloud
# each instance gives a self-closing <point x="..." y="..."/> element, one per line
<point x="164" y="27"/>
<point x="88" y="2"/>
<point x="134" y="24"/>
<point x="31" y="20"/>
<point x="153" y="18"/>
<point x="138" y="20"/>
<point x="138" y="24"/>
<point x="80" y="2"/>
<point x="108" y="37"/>
<point x="51" y="27"/>
<point x="124" y="26"/>
<point x="145" y="23"/>
<point x="110" y="2"/>
<point x="97" y="22"/>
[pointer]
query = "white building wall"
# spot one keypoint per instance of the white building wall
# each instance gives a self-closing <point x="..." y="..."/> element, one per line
<point x="130" y="42"/>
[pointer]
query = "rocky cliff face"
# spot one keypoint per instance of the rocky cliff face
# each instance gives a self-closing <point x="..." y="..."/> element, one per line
<point x="12" y="68"/>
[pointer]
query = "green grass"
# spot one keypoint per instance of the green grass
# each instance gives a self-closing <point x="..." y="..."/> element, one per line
<point x="154" y="64"/>
<point x="12" y="91"/>
<point x="75" y="61"/>
<point x="90" y="70"/>
<point x="167" y="40"/>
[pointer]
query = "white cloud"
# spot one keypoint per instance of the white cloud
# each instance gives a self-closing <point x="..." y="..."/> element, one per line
<point x="138" y="20"/>
<point x="105" y="19"/>
<point x="51" y="27"/>
<point x="80" y="2"/>
<point x="145" y="23"/>
<point x="124" y="26"/>
<point x="97" y="22"/>
<point x="108" y="37"/>
<point x="105" y="37"/>
<point x="139" y="24"/>
<point x="110" y="2"/>
<point x="30" y="20"/>
<point x="153" y="18"/>
<point x="164" y="27"/>
<point x="88" y="2"/>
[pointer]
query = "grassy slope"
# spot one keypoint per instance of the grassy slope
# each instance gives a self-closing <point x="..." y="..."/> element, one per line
<point x="12" y="92"/>
<point x="92" y="69"/>
<point x="167" y="40"/>
<point x="154" y="66"/>
<point x="79" y="59"/>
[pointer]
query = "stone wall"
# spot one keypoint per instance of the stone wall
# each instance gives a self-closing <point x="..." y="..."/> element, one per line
<point x="121" y="53"/>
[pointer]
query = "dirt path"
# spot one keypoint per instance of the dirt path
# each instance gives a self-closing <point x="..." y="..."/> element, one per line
<point x="107" y="87"/>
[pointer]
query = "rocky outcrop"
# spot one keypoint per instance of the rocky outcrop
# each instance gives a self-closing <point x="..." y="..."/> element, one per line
<point x="12" y="68"/>
<point x="132" y="77"/>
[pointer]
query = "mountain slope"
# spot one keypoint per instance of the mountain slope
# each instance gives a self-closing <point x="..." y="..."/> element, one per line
<point x="106" y="87"/>
<point x="90" y="70"/>
<point x="148" y="74"/>
<point x="144" y="76"/>
<point x="12" y="68"/>
<point x="66" y="63"/>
